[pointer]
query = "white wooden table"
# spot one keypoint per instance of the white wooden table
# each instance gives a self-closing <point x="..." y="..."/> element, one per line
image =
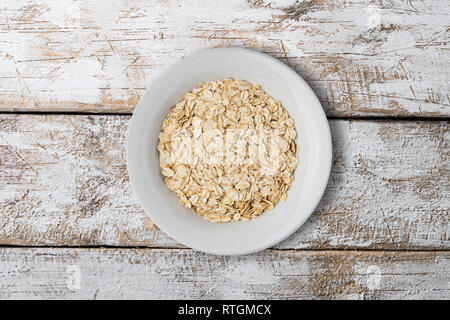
<point x="71" y="73"/>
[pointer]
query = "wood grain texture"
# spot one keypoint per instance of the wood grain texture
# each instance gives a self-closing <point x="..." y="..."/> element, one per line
<point x="63" y="181"/>
<point x="176" y="274"/>
<point x="361" y="57"/>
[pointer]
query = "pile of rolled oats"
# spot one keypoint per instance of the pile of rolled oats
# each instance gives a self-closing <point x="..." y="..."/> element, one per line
<point x="228" y="150"/>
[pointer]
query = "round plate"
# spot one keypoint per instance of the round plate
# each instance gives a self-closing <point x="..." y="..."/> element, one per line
<point x="313" y="139"/>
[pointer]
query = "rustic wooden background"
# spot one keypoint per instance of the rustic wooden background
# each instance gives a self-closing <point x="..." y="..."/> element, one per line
<point x="71" y="73"/>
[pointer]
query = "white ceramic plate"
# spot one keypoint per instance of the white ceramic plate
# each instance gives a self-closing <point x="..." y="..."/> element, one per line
<point x="311" y="175"/>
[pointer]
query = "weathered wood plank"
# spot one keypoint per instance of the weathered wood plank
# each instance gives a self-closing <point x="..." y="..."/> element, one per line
<point x="176" y="274"/>
<point x="361" y="57"/>
<point x="63" y="181"/>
